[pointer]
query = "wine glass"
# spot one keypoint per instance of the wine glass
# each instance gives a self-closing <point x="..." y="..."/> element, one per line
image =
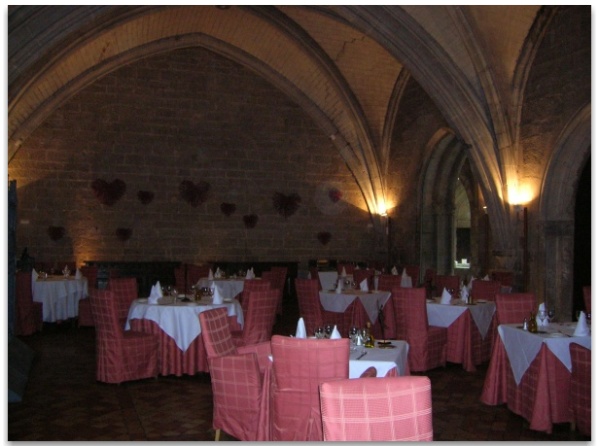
<point x="328" y="330"/>
<point x="551" y="314"/>
<point x="319" y="333"/>
<point x="352" y="334"/>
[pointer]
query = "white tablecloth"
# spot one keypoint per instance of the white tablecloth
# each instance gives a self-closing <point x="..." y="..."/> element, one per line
<point x="382" y="359"/>
<point x="328" y="279"/>
<point x="371" y="300"/>
<point x="180" y="321"/>
<point x="440" y="315"/>
<point x="522" y="347"/>
<point x="59" y="296"/>
<point x="406" y="282"/>
<point x="228" y="288"/>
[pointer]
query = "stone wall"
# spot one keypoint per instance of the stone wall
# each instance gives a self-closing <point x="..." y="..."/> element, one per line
<point x="187" y="115"/>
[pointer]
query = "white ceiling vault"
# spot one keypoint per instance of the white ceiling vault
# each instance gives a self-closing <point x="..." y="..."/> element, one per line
<point x="345" y="65"/>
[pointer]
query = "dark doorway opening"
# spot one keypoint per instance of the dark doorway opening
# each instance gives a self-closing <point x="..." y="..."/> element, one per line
<point x="582" y="252"/>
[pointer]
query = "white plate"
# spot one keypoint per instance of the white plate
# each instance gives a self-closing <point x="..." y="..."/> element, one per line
<point x="227" y="300"/>
<point x="191" y="304"/>
<point x="557" y="335"/>
<point x="481" y="301"/>
<point x="143" y="300"/>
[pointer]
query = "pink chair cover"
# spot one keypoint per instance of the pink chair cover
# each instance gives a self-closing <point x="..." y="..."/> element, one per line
<point x="252" y="285"/>
<point x="428" y="279"/>
<point x="414" y="271"/>
<point x="448" y="282"/>
<point x="29" y="314"/>
<point x="314" y="274"/>
<point x="279" y="279"/>
<point x="349" y="267"/>
<point x="91" y="274"/>
<point x="427" y="344"/>
<point x="513" y="308"/>
<point x="580" y="391"/>
<point x="362" y="274"/>
<point x="258" y="325"/>
<point x="383" y="409"/>
<point x="504" y="277"/>
<point x="387" y="282"/>
<point x="309" y="303"/>
<point x="587" y="298"/>
<point x="84" y="313"/>
<point x="125" y="290"/>
<point x="236" y="378"/>
<point x="120" y="355"/>
<point x="299" y="367"/>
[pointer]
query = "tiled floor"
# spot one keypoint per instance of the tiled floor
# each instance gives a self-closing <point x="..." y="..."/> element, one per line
<point x="63" y="401"/>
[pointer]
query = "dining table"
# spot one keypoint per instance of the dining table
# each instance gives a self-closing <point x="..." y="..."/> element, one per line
<point x="530" y="372"/>
<point x="469" y="333"/>
<point x="371" y="302"/>
<point x="59" y="295"/>
<point x="181" y="349"/>
<point x="228" y="288"/>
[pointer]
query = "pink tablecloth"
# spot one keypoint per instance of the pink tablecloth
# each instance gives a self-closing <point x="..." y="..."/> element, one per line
<point x="542" y="394"/>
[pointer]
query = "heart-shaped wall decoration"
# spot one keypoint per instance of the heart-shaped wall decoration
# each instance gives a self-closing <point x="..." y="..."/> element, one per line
<point x="324" y="237"/>
<point x="194" y="194"/>
<point x="145" y="196"/>
<point x="56" y="232"/>
<point x="108" y="193"/>
<point x="123" y="234"/>
<point x="335" y="195"/>
<point x="286" y="205"/>
<point x="250" y="220"/>
<point x="227" y="208"/>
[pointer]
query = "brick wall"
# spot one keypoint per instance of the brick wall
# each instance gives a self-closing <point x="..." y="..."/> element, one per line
<point x="186" y="115"/>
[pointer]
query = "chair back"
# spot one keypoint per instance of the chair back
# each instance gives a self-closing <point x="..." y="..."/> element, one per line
<point x="125" y="290"/>
<point x="193" y="272"/>
<point x="513" y="308"/>
<point x="414" y="271"/>
<point x="252" y="285"/>
<point x="216" y="334"/>
<point x="410" y="309"/>
<point x="314" y="274"/>
<point x="299" y="367"/>
<point x="451" y="283"/>
<point x="387" y="282"/>
<point x="485" y="289"/>
<point x="362" y="274"/>
<point x="580" y="388"/>
<point x="105" y="311"/>
<point x="28" y="314"/>
<point x="262" y="308"/>
<point x="309" y="302"/>
<point x="91" y="274"/>
<point x="382" y="409"/>
<point x="587" y="298"/>
<point x="349" y="267"/>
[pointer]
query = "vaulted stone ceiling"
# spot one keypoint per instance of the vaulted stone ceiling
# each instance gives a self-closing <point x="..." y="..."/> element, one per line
<point x="345" y="65"/>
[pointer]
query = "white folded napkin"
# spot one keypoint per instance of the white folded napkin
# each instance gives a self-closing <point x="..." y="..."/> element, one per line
<point x="252" y="272"/>
<point x="464" y="294"/>
<point x="343" y="271"/>
<point x="218" y="273"/>
<point x="446" y="297"/>
<point x="394" y="271"/>
<point x="34" y="275"/>
<point x="155" y="293"/>
<point x="335" y="334"/>
<point x="538" y="317"/>
<point x="301" y="329"/>
<point x="248" y="274"/>
<point x="210" y="274"/>
<point x="310" y="275"/>
<point x="404" y="274"/>
<point x="338" y="290"/>
<point x="216" y="297"/>
<point x="486" y="277"/>
<point x="364" y="285"/>
<point x="582" y="328"/>
<point x="470" y="285"/>
<point x="78" y="274"/>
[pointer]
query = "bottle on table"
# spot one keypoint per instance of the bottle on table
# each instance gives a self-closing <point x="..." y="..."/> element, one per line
<point x="370" y="339"/>
<point x="533" y="326"/>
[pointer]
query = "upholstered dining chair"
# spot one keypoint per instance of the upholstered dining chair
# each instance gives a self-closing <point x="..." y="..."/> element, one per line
<point x="236" y="376"/>
<point x="120" y="355"/>
<point x="125" y="290"/>
<point x="29" y="314"/>
<point x="362" y="274"/>
<point x="84" y="314"/>
<point x="387" y="282"/>
<point x="414" y="271"/>
<point x="280" y="278"/>
<point x="349" y="267"/>
<point x="260" y="319"/>
<point x="299" y="367"/>
<point x="514" y="307"/>
<point x="427" y="343"/>
<point x="449" y="282"/>
<point x="580" y="388"/>
<point x="506" y="278"/>
<point x="587" y="299"/>
<point x="252" y="285"/>
<point x="382" y="409"/>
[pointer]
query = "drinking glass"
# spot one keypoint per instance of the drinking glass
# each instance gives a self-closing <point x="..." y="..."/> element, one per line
<point x="328" y="330"/>
<point x="551" y="314"/>
<point x="319" y="333"/>
<point x="352" y="334"/>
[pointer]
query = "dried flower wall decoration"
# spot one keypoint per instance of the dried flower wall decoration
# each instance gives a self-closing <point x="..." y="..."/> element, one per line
<point x="108" y="193"/>
<point x="123" y="234"/>
<point x="324" y="237"/>
<point x="194" y="194"/>
<point x="145" y="196"/>
<point x="228" y="208"/>
<point x="56" y="232"/>
<point x="250" y="220"/>
<point x="286" y="205"/>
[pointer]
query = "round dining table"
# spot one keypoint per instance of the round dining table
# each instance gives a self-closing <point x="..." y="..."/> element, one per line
<point x="59" y="296"/>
